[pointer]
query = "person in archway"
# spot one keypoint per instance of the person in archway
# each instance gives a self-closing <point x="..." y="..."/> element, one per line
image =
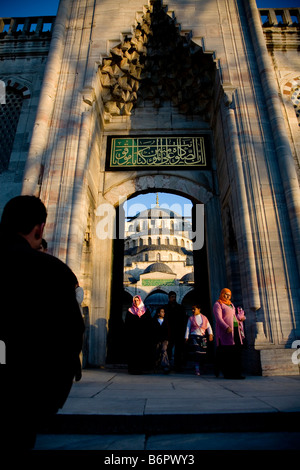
<point x="42" y="332"/>
<point x="229" y="335"/>
<point x="161" y="341"/>
<point x="197" y="330"/>
<point x="176" y="318"/>
<point x="139" y="337"/>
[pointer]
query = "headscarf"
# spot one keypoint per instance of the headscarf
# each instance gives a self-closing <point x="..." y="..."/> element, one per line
<point x="222" y="299"/>
<point x="140" y="310"/>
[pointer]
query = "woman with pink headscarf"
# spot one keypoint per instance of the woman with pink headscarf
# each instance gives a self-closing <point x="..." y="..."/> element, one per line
<point x="229" y="335"/>
<point x="139" y="336"/>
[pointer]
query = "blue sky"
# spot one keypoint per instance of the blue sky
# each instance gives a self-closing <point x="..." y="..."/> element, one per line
<point x="10" y="8"/>
<point x="180" y="205"/>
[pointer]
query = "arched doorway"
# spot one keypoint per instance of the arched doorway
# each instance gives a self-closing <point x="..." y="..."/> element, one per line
<point x="157" y="135"/>
<point x="202" y="273"/>
<point x="156" y="299"/>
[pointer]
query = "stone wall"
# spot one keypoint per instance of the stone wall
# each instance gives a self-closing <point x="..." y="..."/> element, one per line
<point x="24" y="47"/>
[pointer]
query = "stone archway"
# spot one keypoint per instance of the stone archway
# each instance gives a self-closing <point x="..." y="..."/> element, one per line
<point x="156" y="298"/>
<point x="18" y="85"/>
<point x="133" y="185"/>
<point x="128" y="186"/>
<point x="159" y="67"/>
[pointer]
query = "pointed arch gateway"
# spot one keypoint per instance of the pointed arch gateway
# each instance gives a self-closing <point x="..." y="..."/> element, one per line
<point x="158" y="101"/>
<point x="209" y="276"/>
<point x="162" y="85"/>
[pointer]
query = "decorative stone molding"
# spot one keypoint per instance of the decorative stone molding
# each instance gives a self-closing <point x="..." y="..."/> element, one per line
<point x="16" y="85"/>
<point x="280" y="17"/>
<point x="88" y="95"/>
<point x="290" y="85"/>
<point x="26" y="27"/>
<point x="140" y="184"/>
<point x="281" y="28"/>
<point x="260" y="339"/>
<point x="157" y="63"/>
<point x="291" y="91"/>
<point x="229" y="91"/>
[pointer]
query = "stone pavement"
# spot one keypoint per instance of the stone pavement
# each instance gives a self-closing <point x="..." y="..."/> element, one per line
<point x="110" y="409"/>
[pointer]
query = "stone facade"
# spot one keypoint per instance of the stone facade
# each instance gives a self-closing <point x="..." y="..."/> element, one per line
<point x="183" y="68"/>
<point x="24" y="48"/>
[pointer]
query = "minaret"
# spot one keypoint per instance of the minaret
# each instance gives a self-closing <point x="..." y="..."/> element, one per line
<point x="157" y="201"/>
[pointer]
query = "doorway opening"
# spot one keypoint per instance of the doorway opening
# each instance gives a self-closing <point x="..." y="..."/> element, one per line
<point x="153" y="255"/>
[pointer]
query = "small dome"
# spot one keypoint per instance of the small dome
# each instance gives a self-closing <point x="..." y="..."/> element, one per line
<point x="157" y="213"/>
<point x="158" y="267"/>
<point x="157" y="298"/>
<point x="189" y="277"/>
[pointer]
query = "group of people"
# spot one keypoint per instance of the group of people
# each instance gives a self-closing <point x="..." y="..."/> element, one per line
<point x="42" y="327"/>
<point x="153" y="342"/>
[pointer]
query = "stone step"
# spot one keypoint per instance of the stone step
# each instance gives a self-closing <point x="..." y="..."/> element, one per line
<point x="173" y="423"/>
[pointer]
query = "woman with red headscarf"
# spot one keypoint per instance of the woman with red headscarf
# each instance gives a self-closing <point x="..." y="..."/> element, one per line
<point x="229" y="335"/>
<point x="139" y="336"/>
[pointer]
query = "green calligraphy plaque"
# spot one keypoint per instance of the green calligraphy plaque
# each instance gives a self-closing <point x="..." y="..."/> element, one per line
<point x="157" y="152"/>
<point x="158" y="282"/>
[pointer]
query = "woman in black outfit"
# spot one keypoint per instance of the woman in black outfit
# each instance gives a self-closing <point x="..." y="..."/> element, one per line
<point x="139" y="337"/>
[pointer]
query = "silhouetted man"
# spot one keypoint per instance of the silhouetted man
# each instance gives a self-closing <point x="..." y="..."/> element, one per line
<point x="177" y="319"/>
<point x="40" y="324"/>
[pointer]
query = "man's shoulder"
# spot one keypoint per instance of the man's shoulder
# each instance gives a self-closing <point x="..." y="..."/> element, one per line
<point x="55" y="265"/>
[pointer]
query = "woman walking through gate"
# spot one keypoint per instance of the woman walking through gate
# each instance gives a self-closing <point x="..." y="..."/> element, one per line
<point x="139" y="336"/>
<point x="229" y="335"/>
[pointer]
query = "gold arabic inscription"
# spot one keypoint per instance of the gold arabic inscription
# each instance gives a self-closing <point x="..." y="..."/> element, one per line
<point x="157" y="151"/>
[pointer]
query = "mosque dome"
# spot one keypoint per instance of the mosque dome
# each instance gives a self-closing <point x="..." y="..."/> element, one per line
<point x="157" y="213"/>
<point x="157" y="298"/>
<point x="158" y="267"/>
<point x="189" y="277"/>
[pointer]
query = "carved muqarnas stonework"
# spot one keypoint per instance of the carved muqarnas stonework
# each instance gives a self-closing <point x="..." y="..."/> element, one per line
<point x="158" y="63"/>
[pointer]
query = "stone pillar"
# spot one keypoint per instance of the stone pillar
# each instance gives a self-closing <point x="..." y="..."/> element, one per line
<point x="41" y="128"/>
<point x="244" y="232"/>
<point x="76" y="229"/>
<point x="26" y="27"/>
<point x="39" y="26"/>
<point x="283" y="151"/>
<point x="101" y="295"/>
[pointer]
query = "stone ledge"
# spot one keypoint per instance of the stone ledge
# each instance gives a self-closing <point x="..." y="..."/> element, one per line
<point x="278" y="362"/>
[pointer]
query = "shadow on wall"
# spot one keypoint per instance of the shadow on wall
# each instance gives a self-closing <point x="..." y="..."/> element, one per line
<point x="95" y="342"/>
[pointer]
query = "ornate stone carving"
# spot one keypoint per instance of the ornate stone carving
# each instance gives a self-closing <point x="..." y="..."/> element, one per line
<point x="158" y="64"/>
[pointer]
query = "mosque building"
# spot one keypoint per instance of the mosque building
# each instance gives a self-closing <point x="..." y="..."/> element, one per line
<point x="158" y="256"/>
